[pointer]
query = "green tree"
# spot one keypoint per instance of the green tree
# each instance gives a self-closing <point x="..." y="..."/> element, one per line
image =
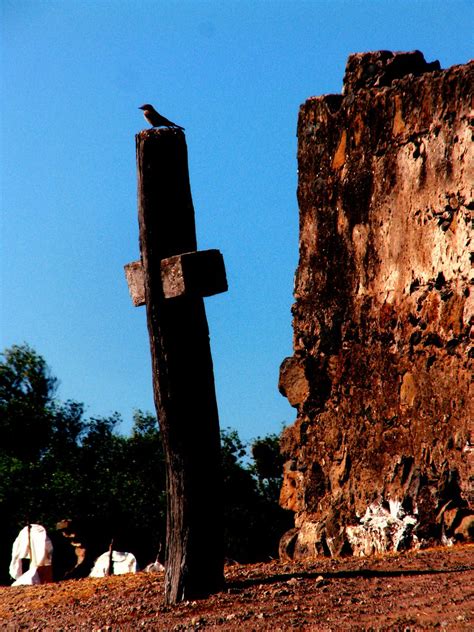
<point x="26" y="415"/>
<point x="253" y="519"/>
<point x="145" y="487"/>
<point x="26" y="399"/>
<point x="268" y="466"/>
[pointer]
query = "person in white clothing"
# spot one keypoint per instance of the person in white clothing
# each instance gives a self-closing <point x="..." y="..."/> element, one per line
<point x="120" y="564"/>
<point x="32" y="543"/>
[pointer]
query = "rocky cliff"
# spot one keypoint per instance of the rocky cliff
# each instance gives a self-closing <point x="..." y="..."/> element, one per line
<point x="380" y="456"/>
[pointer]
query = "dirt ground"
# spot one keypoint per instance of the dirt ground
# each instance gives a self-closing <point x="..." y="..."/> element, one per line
<point x="412" y="591"/>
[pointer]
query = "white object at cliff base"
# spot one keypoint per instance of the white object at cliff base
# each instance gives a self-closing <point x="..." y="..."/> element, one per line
<point x="381" y="530"/>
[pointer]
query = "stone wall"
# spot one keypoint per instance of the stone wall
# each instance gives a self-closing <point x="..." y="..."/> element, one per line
<point x="380" y="456"/>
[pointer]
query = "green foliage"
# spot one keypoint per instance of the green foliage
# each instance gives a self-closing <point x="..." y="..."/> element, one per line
<point x="268" y="466"/>
<point x="253" y="519"/>
<point x="26" y="393"/>
<point x="56" y="464"/>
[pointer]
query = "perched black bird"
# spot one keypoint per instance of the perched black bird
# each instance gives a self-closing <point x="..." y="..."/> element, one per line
<point x="155" y="119"/>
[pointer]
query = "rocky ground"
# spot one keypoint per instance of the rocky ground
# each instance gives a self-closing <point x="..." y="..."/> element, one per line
<point x="412" y="591"/>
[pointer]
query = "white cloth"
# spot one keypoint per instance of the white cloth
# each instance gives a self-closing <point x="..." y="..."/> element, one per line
<point x="30" y="578"/>
<point x="155" y="567"/>
<point x="122" y="563"/>
<point x="32" y="543"/>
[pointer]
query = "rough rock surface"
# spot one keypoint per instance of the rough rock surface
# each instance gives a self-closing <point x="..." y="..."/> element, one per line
<point x="383" y="318"/>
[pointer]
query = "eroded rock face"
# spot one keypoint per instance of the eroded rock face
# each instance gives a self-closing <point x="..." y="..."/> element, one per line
<point x="383" y="316"/>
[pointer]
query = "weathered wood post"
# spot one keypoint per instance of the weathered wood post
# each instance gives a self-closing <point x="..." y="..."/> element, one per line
<point x="171" y="280"/>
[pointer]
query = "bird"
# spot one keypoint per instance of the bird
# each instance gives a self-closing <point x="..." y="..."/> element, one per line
<point x="155" y="119"/>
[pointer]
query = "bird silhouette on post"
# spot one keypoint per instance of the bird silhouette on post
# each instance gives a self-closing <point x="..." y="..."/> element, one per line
<point x="155" y="119"/>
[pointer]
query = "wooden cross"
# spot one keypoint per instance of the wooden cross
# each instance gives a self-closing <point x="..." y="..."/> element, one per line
<point x="171" y="279"/>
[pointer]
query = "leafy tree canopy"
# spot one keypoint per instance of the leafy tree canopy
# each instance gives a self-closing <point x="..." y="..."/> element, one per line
<point x="26" y="399"/>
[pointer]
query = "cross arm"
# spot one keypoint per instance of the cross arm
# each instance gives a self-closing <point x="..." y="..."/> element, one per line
<point x="200" y="273"/>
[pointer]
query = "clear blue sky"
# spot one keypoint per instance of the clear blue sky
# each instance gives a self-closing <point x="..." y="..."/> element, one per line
<point x="233" y="73"/>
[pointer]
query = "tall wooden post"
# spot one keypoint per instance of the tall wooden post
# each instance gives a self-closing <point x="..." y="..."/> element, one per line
<point x="183" y="379"/>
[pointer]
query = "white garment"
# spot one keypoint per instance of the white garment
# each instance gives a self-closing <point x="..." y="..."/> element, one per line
<point x="122" y="563"/>
<point x="32" y="543"/>
<point x="155" y="567"/>
<point x="30" y="578"/>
